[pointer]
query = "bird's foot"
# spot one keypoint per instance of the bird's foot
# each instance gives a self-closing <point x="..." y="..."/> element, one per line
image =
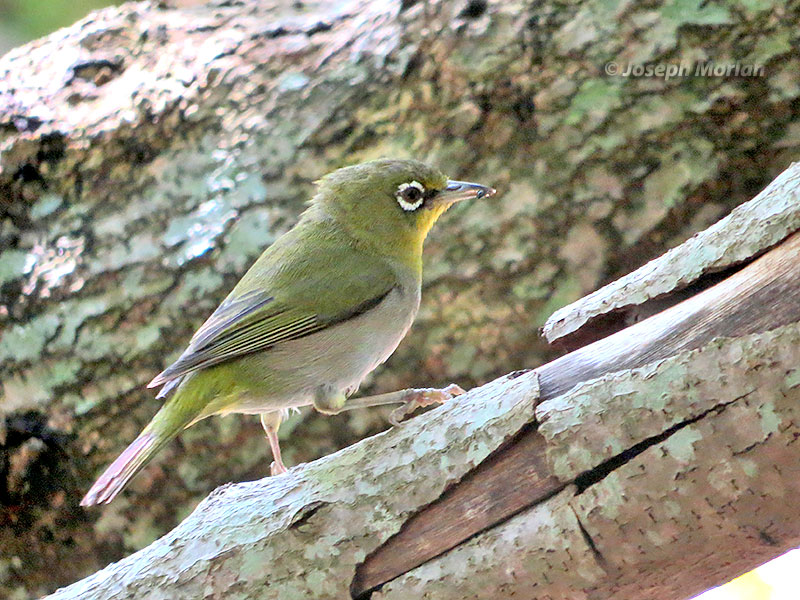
<point x="277" y="468"/>
<point x="424" y="397"/>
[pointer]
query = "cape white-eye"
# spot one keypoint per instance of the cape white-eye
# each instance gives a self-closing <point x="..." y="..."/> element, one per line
<point x="323" y="306"/>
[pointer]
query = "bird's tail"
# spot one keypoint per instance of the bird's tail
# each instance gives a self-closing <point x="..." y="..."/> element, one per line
<point x="173" y="417"/>
<point x="119" y="473"/>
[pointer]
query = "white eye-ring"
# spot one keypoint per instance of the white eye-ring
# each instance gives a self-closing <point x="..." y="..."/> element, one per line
<point x="410" y="196"/>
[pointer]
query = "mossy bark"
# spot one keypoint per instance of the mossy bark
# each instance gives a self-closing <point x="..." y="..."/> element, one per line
<point x="148" y="154"/>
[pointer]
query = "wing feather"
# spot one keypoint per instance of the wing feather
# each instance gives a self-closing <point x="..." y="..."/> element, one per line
<point x="256" y="319"/>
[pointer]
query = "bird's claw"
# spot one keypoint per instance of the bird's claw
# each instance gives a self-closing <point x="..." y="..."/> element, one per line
<point x="424" y="397"/>
<point x="277" y="468"/>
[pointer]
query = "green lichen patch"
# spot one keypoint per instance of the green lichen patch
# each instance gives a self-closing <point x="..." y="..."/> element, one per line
<point x="14" y="264"/>
<point x="34" y="388"/>
<point x="25" y="342"/>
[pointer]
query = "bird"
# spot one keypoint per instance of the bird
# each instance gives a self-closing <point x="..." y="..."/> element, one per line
<point x="323" y="306"/>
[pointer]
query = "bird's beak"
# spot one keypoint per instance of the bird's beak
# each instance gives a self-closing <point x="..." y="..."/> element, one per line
<point x="456" y="191"/>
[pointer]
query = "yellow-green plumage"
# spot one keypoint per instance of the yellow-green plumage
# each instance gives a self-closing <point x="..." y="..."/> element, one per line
<point x="319" y="309"/>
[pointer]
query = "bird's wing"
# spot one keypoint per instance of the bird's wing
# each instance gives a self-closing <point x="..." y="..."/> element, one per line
<point x="286" y="295"/>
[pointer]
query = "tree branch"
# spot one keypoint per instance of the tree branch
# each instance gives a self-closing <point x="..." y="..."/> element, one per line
<point x="762" y="296"/>
<point x="303" y="534"/>
<point x="677" y="481"/>
<point x="750" y="230"/>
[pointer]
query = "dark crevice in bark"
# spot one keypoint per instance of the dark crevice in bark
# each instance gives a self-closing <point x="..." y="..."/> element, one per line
<point x="304" y="516"/>
<point x="598" y="473"/>
<point x="473" y="9"/>
<point x="34" y="453"/>
<point x="768" y="539"/>
<point x="752" y="446"/>
<point x="518" y="373"/>
<point x="364" y="595"/>
<point x="589" y="541"/>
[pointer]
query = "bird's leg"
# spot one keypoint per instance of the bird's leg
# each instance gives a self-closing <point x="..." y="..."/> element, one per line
<point x="271" y="421"/>
<point x="411" y="399"/>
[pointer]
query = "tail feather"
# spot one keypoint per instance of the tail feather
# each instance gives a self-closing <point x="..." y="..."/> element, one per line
<point x="120" y="472"/>
<point x="182" y="409"/>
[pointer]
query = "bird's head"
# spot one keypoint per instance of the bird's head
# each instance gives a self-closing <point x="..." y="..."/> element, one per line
<point x="392" y="203"/>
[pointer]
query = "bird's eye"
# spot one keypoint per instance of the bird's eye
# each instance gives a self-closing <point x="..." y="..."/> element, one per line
<point x="410" y="196"/>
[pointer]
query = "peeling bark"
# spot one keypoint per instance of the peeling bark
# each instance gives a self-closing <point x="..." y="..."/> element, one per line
<point x="748" y="231"/>
<point x="148" y="154"/>
<point x="762" y="296"/>
<point x="706" y="502"/>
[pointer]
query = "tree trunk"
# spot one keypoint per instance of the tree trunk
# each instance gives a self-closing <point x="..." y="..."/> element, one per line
<point x="148" y="154"/>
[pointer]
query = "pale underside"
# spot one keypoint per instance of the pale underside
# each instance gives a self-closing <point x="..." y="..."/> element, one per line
<point x="332" y="361"/>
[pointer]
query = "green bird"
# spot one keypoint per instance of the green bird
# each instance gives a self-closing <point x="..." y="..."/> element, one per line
<point x="323" y="306"/>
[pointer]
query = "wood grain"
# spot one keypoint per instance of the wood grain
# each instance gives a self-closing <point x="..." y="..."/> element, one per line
<point x="763" y="295"/>
<point x="480" y="500"/>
